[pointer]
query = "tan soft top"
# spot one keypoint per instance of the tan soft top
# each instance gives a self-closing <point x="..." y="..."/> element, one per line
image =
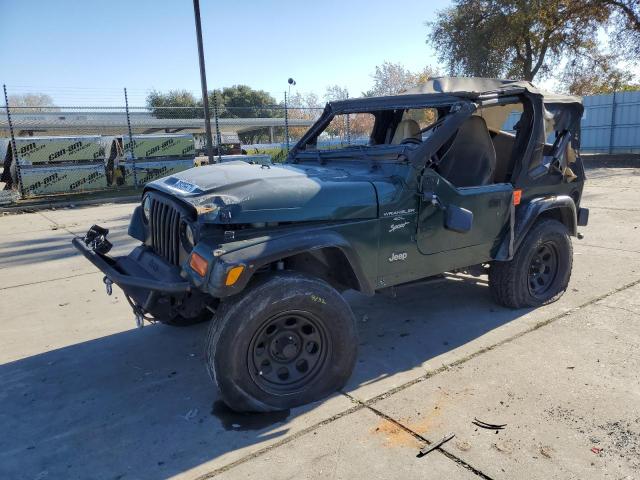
<point x="482" y="86"/>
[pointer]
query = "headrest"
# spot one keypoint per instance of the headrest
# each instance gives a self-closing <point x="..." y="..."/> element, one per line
<point x="407" y="128"/>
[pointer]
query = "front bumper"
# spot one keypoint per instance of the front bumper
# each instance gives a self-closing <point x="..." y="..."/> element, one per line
<point x="132" y="273"/>
<point x="120" y="271"/>
<point x="155" y="286"/>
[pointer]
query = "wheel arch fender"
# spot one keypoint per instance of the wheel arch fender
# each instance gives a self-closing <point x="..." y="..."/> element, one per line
<point x="328" y="245"/>
<point x="561" y="208"/>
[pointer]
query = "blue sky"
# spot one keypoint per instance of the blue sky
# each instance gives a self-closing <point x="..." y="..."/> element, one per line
<point x="84" y="52"/>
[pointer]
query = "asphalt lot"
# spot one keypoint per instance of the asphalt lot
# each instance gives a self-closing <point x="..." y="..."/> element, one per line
<point x="87" y="395"/>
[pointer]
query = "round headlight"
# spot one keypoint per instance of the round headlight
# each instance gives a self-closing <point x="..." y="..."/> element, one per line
<point x="146" y="208"/>
<point x="188" y="236"/>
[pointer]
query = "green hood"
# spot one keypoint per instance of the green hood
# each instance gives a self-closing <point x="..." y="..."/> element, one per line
<point x="239" y="192"/>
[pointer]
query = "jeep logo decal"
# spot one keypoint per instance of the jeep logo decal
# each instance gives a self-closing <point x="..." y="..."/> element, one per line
<point x="402" y="256"/>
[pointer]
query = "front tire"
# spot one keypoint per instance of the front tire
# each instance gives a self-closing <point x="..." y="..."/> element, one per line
<point x="540" y="270"/>
<point x="288" y="340"/>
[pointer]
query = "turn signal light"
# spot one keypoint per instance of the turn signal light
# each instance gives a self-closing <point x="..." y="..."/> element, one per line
<point x="517" y="196"/>
<point x="233" y="275"/>
<point x="199" y="264"/>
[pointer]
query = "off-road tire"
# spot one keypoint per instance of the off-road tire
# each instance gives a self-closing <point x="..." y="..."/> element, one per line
<point x="241" y="326"/>
<point x="510" y="282"/>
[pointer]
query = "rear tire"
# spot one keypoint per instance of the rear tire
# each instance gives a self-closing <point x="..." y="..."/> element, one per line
<point x="540" y="270"/>
<point x="288" y="340"/>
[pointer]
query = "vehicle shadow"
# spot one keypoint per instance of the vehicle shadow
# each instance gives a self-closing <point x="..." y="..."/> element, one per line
<point x="139" y="404"/>
<point x="51" y="247"/>
<point x="402" y="330"/>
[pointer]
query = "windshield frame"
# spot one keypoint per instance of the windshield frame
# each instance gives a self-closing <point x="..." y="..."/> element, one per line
<point x="373" y="105"/>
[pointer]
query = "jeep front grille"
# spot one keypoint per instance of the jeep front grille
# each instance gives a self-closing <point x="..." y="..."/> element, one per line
<point x="165" y="230"/>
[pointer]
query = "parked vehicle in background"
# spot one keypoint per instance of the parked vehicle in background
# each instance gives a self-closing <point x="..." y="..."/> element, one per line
<point x="460" y="174"/>
<point x="229" y="144"/>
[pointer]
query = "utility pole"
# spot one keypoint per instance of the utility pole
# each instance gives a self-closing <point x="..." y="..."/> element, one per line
<point x="203" y="81"/>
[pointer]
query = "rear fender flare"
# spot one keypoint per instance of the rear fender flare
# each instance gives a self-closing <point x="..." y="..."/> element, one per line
<point x="256" y="256"/>
<point x="562" y="206"/>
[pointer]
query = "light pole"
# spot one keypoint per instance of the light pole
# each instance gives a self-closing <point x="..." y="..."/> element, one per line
<point x="203" y="81"/>
<point x="291" y="81"/>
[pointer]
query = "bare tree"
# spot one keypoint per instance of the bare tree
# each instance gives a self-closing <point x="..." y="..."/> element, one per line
<point x="303" y="106"/>
<point x="32" y="102"/>
<point x="336" y="92"/>
<point x="393" y="78"/>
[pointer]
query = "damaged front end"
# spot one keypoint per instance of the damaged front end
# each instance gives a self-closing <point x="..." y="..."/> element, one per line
<point x="138" y="275"/>
<point x="153" y="276"/>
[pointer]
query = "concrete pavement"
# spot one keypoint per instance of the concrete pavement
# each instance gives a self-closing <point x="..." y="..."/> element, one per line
<point x="85" y="395"/>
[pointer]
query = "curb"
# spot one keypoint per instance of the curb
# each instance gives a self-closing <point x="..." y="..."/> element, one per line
<point x="67" y="203"/>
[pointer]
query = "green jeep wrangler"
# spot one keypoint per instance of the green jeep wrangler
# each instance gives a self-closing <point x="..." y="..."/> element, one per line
<point x="459" y="174"/>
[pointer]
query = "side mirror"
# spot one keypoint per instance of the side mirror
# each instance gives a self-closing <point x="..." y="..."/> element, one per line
<point x="458" y="219"/>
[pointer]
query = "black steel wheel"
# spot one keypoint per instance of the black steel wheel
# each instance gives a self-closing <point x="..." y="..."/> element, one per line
<point x="287" y="340"/>
<point x="288" y="351"/>
<point x="540" y="270"/>
<point x="543" y="269"/>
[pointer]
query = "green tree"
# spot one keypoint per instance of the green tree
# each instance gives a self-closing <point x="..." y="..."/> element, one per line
<point x="625" y="18"/>
<point x="512" y="38"/>
<point x="175" y="104"/>
<point x="237" y="101"/>
<point x="526" y="38"/>
<point x="242" y="101"/>
<point x="597" y="74"/>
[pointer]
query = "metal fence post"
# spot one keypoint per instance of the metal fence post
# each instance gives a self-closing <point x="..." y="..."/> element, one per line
<point x="612" y="124"/>
<point x="133" y="157"/>
<point x="348" y="126"/>
<point x="286" y="121"/>
<point x="14" y="150"/>
<point x="215" y="117"/>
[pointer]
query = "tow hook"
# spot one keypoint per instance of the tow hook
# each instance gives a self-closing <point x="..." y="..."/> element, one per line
<point x="108" y="283"/>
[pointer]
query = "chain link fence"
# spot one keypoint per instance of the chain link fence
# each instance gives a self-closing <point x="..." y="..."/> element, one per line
<point x="48" y="149"/>
<point x="102" y="140"/>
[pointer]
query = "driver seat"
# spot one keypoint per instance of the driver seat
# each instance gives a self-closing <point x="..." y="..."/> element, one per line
<point x="407" y="128"/>
<point x="471" y="158"/>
